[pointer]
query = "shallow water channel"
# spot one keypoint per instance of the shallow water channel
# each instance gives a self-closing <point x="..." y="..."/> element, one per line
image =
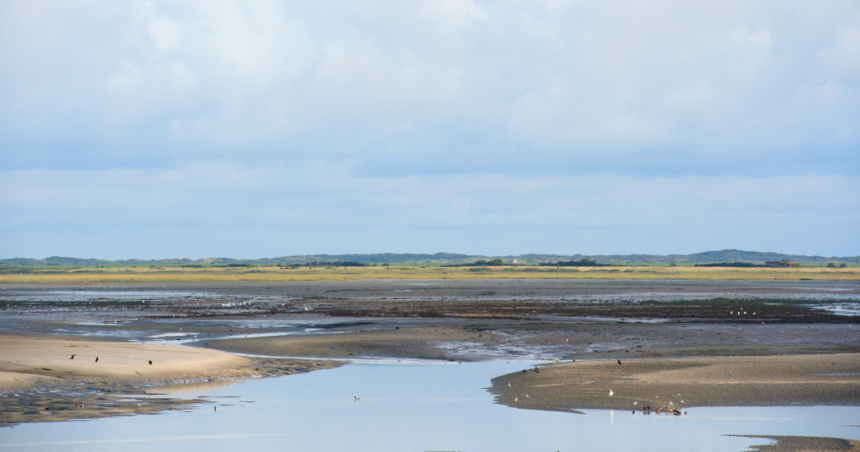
<point x="415" y="407"/>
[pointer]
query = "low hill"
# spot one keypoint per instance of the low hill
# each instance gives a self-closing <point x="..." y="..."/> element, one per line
<point x="449" y="258"/>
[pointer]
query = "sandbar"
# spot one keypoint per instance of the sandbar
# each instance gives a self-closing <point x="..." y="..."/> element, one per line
<point x="678" y="383"/>
<point x="41" y="381"/>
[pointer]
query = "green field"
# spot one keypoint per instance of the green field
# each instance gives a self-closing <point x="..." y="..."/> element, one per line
<point x="147" y="274"/>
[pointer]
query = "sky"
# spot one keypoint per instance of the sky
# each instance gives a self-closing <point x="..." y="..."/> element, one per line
<point x="263" y="128"/>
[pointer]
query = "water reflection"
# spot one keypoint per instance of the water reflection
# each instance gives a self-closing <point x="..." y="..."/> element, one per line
<point x="415" y="407"/>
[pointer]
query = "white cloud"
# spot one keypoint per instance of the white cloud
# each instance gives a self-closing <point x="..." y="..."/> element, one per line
<point x="587" y="76"/>
<point x="464" y="113"/>
<point x="844" y="56"/>
<point x="165" y="33"/>
<point x="454" y="15"/>
<point x="693" y="98"/>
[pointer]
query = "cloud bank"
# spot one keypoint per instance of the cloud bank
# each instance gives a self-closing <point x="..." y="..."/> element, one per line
<point x="259" y="128"/>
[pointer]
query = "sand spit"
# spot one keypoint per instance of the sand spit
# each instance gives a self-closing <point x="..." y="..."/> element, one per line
<point x="678" y="383"/>
<point x="40" y="381"/>
<point x="807" y="444"/>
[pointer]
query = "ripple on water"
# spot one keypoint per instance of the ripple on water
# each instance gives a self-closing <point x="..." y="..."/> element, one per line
<point x="419" y="407"/>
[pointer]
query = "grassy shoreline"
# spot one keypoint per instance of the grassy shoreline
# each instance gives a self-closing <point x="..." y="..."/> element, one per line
<point x="89" y="275"/>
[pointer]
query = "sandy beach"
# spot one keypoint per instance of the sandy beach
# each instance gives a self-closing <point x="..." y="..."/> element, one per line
<point x="679" y="383"/>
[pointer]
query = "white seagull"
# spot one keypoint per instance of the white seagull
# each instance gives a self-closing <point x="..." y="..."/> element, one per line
<point x="610" y="393"/>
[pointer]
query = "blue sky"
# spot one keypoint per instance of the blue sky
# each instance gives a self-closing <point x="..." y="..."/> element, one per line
<point x="259" y="128"/>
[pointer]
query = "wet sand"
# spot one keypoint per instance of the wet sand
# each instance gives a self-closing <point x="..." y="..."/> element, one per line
<point x="41" y="382"/>
<point x="678" y="383"/>
<point x="47" y="360"/>
<point x="416" y="343"/>
<point x="479" y="339"/>
<point x="808" y="444"/>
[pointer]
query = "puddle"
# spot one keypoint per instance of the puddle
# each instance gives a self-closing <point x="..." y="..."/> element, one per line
<point x="416" y="407"/>
<point x="113" y="295"/>
<point x="839" y="309"/>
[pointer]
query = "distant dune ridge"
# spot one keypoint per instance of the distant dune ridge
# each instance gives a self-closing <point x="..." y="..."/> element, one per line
<point x="438" y="258"/>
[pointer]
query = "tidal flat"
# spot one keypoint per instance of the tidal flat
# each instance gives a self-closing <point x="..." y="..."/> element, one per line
<point x="760" y="345"/>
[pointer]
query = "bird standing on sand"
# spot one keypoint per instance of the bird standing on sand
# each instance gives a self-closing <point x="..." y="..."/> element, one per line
<point x="610" y="393"/>
<point x="619" y="362"/>
<point x="97" y="359"/>
<point x="150" y="362"/>
<point x="73" y="356"/>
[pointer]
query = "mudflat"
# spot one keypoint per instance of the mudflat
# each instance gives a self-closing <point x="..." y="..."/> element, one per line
<point x="420" y="343"/>
<point x="716" y="343"/>
<point x="807" y="444"/>
<point x="678" y="383"/>
<point x="701" y="301"/>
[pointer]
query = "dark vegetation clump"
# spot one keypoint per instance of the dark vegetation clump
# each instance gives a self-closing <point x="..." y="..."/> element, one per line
<point x="480" y="263"/>
<point x="584" y="262"/>
<point x="328" y="264"/>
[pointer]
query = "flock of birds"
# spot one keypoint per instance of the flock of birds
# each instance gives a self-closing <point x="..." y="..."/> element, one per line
<point x="97" y="358"/>
<point x="647" y="408"/>
<point x="668" y="410"/>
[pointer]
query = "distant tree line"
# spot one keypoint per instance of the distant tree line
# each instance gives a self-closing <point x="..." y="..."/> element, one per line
<point x="296" y="265"/>
<point x="479" y="263"/>
<point x="730" y="264"/>
<point x="584" y="262"/>
<point x="327" y="264"/>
